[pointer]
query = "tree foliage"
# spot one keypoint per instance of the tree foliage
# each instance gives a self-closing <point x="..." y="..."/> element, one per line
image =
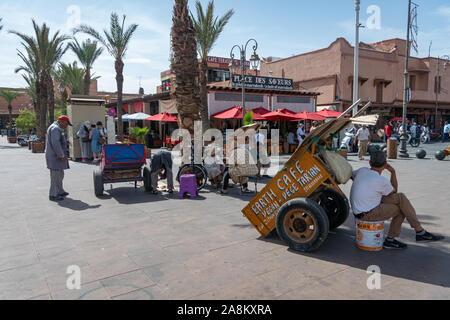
<point x="26" y="121"/>
<point x="208" y="29"/>
<point x="116" y="41"/>
<point x="87" y="53"/>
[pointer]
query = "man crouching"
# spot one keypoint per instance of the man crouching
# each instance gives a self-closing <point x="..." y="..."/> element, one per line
<point x="375" y="198"/>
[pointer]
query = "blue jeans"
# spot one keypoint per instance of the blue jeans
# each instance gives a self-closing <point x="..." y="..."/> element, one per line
<point x="444" y="136"/>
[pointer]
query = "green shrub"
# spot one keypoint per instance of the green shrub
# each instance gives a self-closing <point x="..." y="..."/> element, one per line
<point x="26" y="121"/>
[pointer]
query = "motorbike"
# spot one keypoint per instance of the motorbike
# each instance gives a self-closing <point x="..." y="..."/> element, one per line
<point x="22" y="140"/>
<point x="347" y="142"/>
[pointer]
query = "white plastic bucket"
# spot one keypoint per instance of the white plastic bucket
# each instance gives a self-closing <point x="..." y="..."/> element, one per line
<point x="370" y="235"/>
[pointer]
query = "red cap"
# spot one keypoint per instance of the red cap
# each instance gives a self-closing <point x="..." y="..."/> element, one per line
<point x="65" y="118"/>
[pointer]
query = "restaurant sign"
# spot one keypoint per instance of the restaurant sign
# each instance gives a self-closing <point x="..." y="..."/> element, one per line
<point x="269" y="83"/>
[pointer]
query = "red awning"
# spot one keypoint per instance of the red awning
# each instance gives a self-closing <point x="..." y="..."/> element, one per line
<point x="281" y="115"/>
<point x="236" y="113"/>
<point x="125" y="107"/>
<point x="330" y="114"/>
<point x="138" y="106"/>
<point x="306" y="115"/>
<point x="163" y="117"/>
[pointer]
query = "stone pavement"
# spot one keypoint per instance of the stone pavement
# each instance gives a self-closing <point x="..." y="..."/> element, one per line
<point x="132" y="245"/>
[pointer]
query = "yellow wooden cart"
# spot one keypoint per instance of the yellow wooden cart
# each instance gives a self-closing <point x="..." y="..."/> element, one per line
<point x="303" y="201"/>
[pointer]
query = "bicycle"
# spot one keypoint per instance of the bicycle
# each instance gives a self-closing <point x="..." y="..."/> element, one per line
<point x="194" y="168"/>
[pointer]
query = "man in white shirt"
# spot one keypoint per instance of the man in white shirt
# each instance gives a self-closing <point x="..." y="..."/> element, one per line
<point x="300" y="133"/>
<point x="363" y="137"/>
<point x="375" y="198"/>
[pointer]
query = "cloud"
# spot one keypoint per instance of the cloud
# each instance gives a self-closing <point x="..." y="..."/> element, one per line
<point x="444" y="11"/>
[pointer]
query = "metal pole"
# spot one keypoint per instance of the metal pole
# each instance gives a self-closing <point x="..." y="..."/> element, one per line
<point x="243" y="83"/>
<point x="356" y="58"/>
<point x="403" y="153"/>
<point x="437" y="96"/>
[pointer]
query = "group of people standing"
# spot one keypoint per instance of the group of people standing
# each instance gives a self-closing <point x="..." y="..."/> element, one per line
<point x="92" y="138"/>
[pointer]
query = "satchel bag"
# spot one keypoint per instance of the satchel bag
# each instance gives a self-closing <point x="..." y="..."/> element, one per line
<point x="101" y="140"/>
<point x="85" y="139"/>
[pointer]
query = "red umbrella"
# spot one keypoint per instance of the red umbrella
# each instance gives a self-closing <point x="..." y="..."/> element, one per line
<point x="236" y="113"/>
<point x="306" y="115"/>
<point x="400" y="119"/>
<point x="163" y="117"/>
<point x="281" y="115"/>
<point x="329" y="113"/>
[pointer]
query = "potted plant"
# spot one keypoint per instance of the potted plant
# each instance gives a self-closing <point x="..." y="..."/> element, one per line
<point x="139" y="135"/>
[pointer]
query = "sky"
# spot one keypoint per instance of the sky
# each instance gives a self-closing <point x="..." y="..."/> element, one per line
<point x="282" y="28"/>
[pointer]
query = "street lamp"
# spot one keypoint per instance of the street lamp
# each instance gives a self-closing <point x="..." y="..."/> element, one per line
<point x="254" y="64"/>
<point x="61" y="90"/>
<point x="446" y="58"/>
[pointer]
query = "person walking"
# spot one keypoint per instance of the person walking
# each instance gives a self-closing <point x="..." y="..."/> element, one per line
<point x="363" y="137"/>
<point x="97" y="141"/>
<point x="446" y="131"/>
<point x="300" y="133"/>
<point x="56" y="153"/>
<point x="85" y="143"/>
<point x="388" y="129"/>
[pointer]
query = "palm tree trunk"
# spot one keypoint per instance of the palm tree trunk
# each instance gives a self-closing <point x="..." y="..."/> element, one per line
<point x="184" y="63"/>
<point x="87" y="82"/>
<point x="41" y="109"/>
<point x="51" y="100"/>
<point x="204" y="95"/>
<point x="10" y="114"/>
<point x="119" y="79"/>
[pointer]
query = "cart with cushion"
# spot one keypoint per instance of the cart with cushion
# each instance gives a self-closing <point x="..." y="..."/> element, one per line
<point x="121" y="163"/>
<point x="303" y="201"/>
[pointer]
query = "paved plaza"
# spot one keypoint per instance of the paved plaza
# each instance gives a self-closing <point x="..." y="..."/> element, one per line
<point x="133" y="245"/>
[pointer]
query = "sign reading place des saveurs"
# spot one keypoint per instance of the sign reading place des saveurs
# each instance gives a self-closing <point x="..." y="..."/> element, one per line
<point x="263" y="82"/>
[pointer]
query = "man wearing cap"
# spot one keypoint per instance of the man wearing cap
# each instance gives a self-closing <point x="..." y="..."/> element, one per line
<point x="375" y="198"/>
<point x="56" y="156"/>
<point x="363" y="137"/>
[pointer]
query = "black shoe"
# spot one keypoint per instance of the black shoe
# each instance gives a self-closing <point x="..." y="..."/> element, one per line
<point x="428" y="237"/>
<point x="170" y="191"/>
<point x="64" y="194"/>
<point x="56" y="199"/>
<point x="394" y="244"/>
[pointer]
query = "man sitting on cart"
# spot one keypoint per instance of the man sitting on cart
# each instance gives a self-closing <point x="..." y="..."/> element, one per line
<point x="375" y="198"/>
<point x="161" y="167"/>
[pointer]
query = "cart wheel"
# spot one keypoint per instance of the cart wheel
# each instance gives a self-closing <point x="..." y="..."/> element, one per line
<point x="302" y="224"/>
<point x="334" y="204"/>
<point x="147" y="179"/>
<point x="98" y="183"/>
<point x="198" y="170"/>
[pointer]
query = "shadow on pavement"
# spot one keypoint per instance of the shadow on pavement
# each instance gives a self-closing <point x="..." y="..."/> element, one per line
<point x="77" y="205"/>
<point x="427" y="263"/>
<point x="10" y="147"/>
<point x="130" y="195"/>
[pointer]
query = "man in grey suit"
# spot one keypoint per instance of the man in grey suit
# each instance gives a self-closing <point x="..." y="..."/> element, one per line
<point x="56" y="156"/>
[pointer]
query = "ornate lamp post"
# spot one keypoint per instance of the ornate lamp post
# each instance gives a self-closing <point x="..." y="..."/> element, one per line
<point x="446" y="58"/>
<point x="254" y="64"/>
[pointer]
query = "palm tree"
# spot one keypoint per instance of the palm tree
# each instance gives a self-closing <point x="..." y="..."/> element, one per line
<point x="31" y="76"/>
<point x="184" y="64"/>
<point x="9" y="96"/>
<point x="46" y="52"/>
<point x="87" y="53"/>
<point x="116" y="42"/>
<point x="72" y="77"/>
<point x="208" y="29"/>
<point x="1" y="26"/>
